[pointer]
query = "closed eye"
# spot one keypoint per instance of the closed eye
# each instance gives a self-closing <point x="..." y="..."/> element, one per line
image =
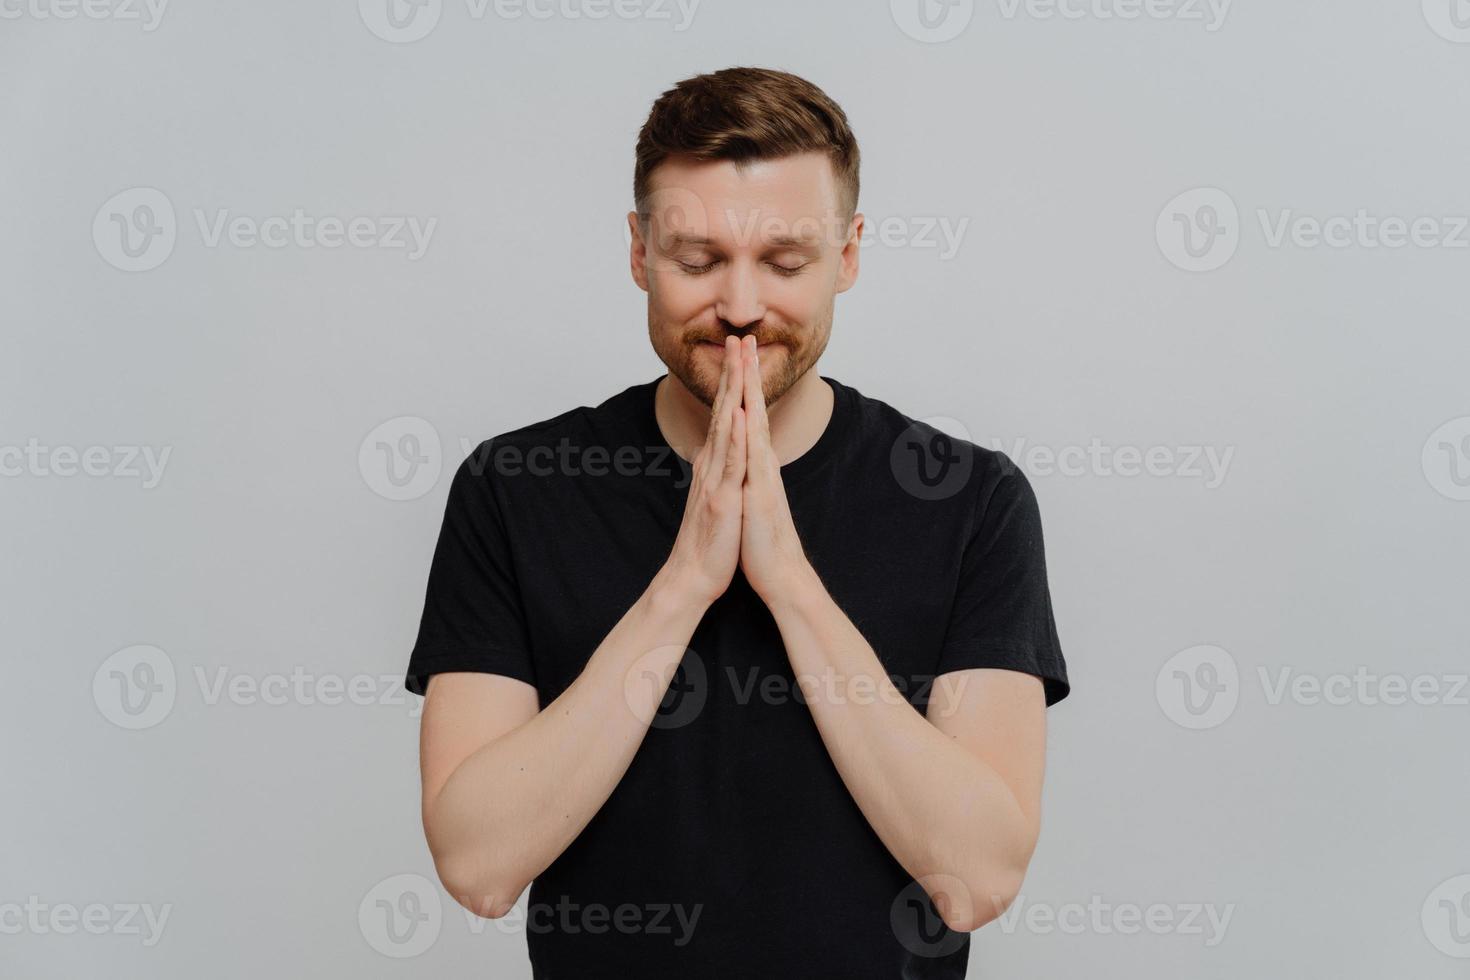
<point x="697" y="270"/>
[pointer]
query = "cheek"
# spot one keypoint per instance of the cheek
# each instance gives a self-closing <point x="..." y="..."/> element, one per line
<point x="678" y="296"/>
<point x="798" y="300"/>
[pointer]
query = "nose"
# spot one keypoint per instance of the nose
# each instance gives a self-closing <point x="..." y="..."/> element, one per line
<point x="738" y="301"/>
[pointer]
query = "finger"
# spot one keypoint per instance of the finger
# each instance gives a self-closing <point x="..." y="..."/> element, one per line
<point x="720" y="414"/>
<point x="720" y="392"/>
<point x="735" y="353"/>
<point x="735" y="465"/>
<point x="757" y="427"/>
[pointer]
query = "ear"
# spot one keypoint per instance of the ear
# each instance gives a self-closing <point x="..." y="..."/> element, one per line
<point x="847" y="271"/>
<point x="637" y="252"/>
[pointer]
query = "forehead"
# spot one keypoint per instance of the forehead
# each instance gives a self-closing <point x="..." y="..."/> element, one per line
<point x="791" y="195"/>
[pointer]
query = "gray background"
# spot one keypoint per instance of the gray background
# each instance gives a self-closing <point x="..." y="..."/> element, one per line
<point x="1334" y="834"/>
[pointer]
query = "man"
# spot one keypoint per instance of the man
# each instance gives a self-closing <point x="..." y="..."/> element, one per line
<point x="776" y="711"/>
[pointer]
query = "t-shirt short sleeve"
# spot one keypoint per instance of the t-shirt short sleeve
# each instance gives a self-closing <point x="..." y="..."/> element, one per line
<point x="473" y="617"/>
<point x="1002" y="615"/>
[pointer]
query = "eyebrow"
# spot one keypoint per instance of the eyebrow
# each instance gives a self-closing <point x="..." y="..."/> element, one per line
<point x="679" y="239"/>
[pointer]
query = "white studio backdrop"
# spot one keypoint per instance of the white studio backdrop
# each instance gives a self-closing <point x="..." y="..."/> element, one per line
<point x="270" y="270"/>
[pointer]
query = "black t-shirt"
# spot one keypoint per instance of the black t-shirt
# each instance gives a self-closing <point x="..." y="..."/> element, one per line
<point x="731" y="847"/>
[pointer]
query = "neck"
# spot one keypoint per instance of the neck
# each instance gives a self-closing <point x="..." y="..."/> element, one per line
<point x="797" y="419"/>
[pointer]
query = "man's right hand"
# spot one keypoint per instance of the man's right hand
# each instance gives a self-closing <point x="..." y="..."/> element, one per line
<point x="706" y="551"/>
<point x="494" y="760"/>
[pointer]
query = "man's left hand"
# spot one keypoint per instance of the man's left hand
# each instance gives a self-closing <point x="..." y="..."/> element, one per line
<point x="771" y="555"/>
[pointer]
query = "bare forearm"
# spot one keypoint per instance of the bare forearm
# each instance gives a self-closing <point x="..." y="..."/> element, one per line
<point x="514" y="805"/>
<point x="937" y="807"/>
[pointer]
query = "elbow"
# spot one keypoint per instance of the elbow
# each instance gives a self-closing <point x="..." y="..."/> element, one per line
<point x="997" y="896"/>
<point x="489" y="896"/>
<point x="965" y="904"/>
<point x="474" y="878"/>
<point x="989" y="883"/>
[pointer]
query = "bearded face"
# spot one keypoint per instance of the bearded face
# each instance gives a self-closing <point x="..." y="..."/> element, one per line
<point x="757" y="249"/>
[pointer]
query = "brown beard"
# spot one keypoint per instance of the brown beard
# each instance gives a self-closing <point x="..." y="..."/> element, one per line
<point x="700" y="373"/>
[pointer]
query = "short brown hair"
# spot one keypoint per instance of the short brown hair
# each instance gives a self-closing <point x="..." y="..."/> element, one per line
<point x="742" y="114"/>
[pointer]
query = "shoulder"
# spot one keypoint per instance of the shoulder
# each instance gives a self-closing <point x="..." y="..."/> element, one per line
<point x="537" y="444"/>
<point x="938" y="457"/>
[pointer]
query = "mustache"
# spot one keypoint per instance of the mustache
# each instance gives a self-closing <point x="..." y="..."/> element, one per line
<point x="761" y="339"/>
